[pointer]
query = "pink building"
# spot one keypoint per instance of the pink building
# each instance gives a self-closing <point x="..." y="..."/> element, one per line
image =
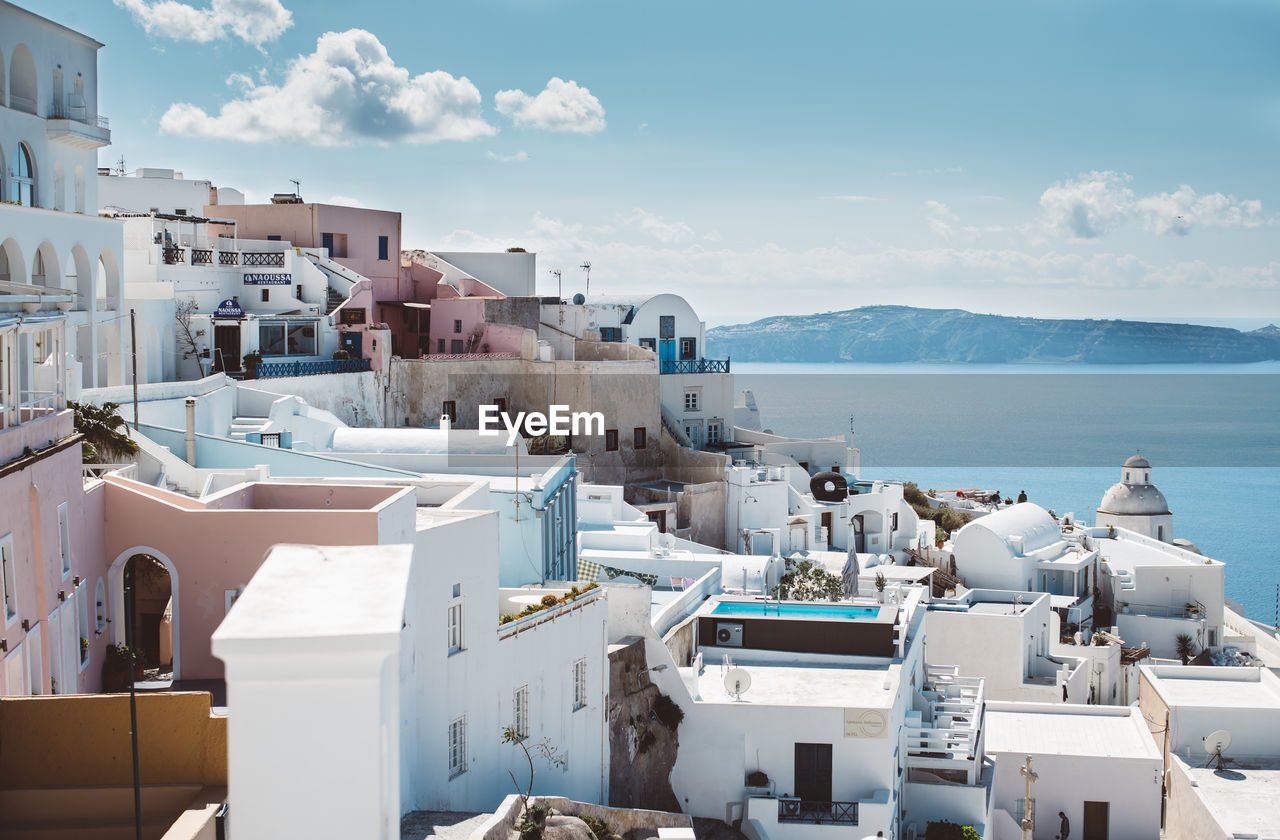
<point x="211" y="547"/>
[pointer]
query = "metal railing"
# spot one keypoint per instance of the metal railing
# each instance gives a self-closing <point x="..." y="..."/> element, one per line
<point x="274" y="370"/>
<point x="77" y="113"/>
<point x="174" y="255"/>
<point x="228" y="258"/>
<point x="695" y="366"/>
<point x="260" y="258"/>
<point x="99" y="470"/>
<point x="817" y="811"/>
<point x="201" y="256"/>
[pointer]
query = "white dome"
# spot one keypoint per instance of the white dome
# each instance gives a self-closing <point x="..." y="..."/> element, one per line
<point x="1137" y="461"/>
<point x="1024" y="528"/>
<point x="1134" y="500"/>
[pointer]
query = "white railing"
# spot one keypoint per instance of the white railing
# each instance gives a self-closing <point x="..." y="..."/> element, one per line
<point x="91" y="471"/>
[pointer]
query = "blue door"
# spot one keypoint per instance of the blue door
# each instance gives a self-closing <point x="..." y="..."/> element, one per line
<point x="353" y="343"/>
<point x="666" y="352"/>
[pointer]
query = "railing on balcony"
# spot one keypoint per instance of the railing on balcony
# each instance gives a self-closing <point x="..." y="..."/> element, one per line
<point x="174" y="256"/>
<point x="92" y="471"/>
<point x="76" y="111"/>
<point x="260" y="258"/>
<point x="228" y="258"/>
<point x="695" y="366"/>
<point x="273" y="370"/>
<point x="817" y="811"/>
<point x="201" y="256"/>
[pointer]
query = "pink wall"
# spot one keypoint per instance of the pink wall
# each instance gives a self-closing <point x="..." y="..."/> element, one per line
<point x="444" y="311"/>
<point x="217" y="550"/>
<point x="29" y="501"/>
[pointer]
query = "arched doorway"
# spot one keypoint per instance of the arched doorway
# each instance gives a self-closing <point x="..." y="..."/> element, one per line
<point x="13" y="268"/>
<point x="23" y="90"/>
<point x="154" y="619"/>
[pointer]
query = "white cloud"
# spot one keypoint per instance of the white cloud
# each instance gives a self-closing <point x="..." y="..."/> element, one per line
<point x="657" y="227"/>
<point x="252" y="21"/>
<point x="518" y="157"/>
<point x="1093" y="204"/>
<point x="1088" y="206"/>
<point x="1177" y="212"/>
<point x="346" y="91"/>
<point x="560" y="106"/>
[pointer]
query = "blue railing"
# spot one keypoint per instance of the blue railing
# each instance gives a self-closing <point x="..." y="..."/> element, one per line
<point x="695" y="366"/>
<point x="271" y="370"/>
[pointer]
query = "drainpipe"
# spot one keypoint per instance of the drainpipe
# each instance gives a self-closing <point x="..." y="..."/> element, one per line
<point x="191" y="431"/>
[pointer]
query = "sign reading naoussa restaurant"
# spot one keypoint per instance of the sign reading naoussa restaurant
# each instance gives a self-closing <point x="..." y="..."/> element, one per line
<point x="228" y="309"/>
<point x="268" y="279"/>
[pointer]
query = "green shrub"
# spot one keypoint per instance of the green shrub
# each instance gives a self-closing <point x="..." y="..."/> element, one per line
<point x="598" y="827"/>
<point x="549" y="600"/>
<point x="341" y="354"/>
<point x="506" y="618"/>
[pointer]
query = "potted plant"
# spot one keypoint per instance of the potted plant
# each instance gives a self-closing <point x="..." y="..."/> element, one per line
<point x="881" y="583"/>
<point x="340" y="354"/>
<point x="251" y="362"/>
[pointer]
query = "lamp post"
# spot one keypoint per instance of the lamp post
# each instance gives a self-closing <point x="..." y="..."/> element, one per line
<point x="133" y="709"/>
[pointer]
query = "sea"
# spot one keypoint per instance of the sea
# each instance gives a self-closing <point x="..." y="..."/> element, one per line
<point x="1060" y="433"/>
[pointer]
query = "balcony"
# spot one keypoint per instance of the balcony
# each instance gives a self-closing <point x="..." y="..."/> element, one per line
<point x="694" y="366"/>
<point x="274" y="370"/>
<point x="948" y="747"/>
<point x="792" y="810"/>
<point x="70" y="123"/>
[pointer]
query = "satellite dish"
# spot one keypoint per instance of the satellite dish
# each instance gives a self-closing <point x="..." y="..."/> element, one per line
<point x="736" y="682"/>
<point x="666" y="540"/>
<point x="579" y="299"/>
<point x="1217" y="742"/>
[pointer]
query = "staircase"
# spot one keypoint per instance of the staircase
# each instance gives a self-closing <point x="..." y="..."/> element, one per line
<point x="240" y="426"/>
<point x="334" y="300"/>
<point x="1124" y="577"/>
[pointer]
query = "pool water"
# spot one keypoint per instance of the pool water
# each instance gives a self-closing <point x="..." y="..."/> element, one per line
<point x="845" y="611"/>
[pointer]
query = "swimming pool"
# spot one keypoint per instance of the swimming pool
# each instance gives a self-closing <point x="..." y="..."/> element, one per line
<point x="845" y="611"/>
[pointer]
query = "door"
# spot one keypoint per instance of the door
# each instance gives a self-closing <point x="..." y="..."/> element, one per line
<point x="859" y="538"/>
<point x="826" y="523"/>
<point x="14" y="684"/>
<point x="659" y="517"/>
<point x="813" y="772"/>
<point x="694" y="433"/>
<point x="226" y="344"/>
<point x="353" y="343"/>
<point x="666" y="352"/>
<point x="55" y="651"/>
<point x="69" y="682"/>
<point x="35" y="661"/>
<point x="1097" y="819"/>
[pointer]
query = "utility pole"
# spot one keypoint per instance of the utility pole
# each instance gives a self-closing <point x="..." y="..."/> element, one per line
<point x="133" y="709"/>
<point x="1028" y="808"/>
<point x="559" y="284"/>
<point x="133" y="345"/>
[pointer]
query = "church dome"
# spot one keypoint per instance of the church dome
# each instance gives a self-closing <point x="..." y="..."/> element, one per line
<point x="1137" y="461"/>
<point x="1134" y="500"/>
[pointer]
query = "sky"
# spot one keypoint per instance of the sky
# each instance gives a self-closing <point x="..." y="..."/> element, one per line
<point x="1056" y="158"/>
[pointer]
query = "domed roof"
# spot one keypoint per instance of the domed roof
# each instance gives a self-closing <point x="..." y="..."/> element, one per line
<point x="1134" y="500"/>
<point x="1137" y="461"/>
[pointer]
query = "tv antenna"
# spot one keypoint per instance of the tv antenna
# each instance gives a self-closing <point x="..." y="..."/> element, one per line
<point x="736" y="682"/>
<point x="1217" y="741"/>
<point x="297" y="187"/>
<point x="120" y="170"/>
<point x="559" y="284"/>
<point x="586" y="266"/>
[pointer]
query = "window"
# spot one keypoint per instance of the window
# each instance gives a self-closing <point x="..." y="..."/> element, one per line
<point x="649" y="343"/>
<point x="520" y="712"/>
<point x="690" y="400"/>
<point x="458" y="747"/>
<point x="273" y="237"/>
<point x="24" y="182"/>
<point x="456" y="348"/>
<point x="666" y="326"/>
<point x="894" y="526"/>
<point x="302" y="340"/>
<point x="299" y="295"/>
<point x="451" y="410"/>
<point x="266" y="295"/>
<point x="271" y="339"/>
<point x="100" y="607"/>
<point x="688" y="348"/>
<point x="455" y="627"/>
<point x="640" y="439"/>
<point x="579" y="684"/>
<point x="439" y="345"/>
<point x="610" y="440"/>
<point x="178" y="211"/>
<point x="457" y="325"/>
<point x="713" y="433"/>
<point x="384" y="243"/>
<point x="611" y="334"/>
<point x="8" y="586"/>
<point x="64" y="539"/>
<point x="82" y="622"/>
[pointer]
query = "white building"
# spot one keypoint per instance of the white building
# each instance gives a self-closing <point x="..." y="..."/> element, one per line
<point x="160" y="191"/>
<point x="1097" y="765"/>
<point x="1193" y="711"/>
<point x="1137" y="504"/>
<point x="50" y="234"/>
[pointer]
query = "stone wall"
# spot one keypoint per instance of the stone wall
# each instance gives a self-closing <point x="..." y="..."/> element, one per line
<point x="642" y="749"/>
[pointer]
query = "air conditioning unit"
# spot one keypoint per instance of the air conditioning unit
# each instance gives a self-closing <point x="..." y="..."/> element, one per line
<point x="729" y="633"/>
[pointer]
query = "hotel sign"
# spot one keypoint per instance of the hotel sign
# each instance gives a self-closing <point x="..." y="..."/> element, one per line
<point x="268" y="279"/>
<point x="865" y="723"/>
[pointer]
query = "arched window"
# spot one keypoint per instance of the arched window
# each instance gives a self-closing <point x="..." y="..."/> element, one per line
<point x="22" y="80"/>
<point x="59" y="187"/>
<point x="100" y="608"/>
<point x="79" y="188"/>
<point x="4" y="88"/>
<point x="24" y="178"/>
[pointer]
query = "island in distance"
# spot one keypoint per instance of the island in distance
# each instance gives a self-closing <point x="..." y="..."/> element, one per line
<point x="911" y="334"/>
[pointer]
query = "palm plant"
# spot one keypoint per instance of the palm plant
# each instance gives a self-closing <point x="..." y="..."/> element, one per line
<point x="1186" y="647"/>
<point x="102" y="428"/>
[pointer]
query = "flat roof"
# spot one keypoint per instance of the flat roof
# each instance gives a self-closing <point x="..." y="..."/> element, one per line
<point x="831" y="686"/>
<point x="1244" y="799"/>
<point x="1055" y="729"/>
<point x="1220" y="690"/>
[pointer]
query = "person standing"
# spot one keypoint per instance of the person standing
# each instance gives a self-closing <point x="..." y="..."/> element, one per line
<point x="1064" y="831"/>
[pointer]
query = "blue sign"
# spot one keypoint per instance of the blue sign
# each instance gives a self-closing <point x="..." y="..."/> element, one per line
<point x="268" y="279"/>
<point x="228" y="309"/>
